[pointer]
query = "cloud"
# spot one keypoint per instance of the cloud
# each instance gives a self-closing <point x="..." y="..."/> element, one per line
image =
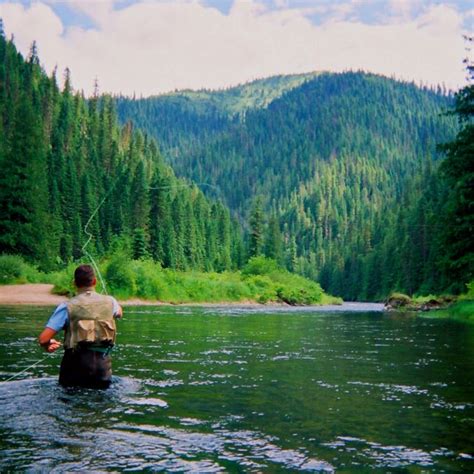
<point x="150" y="47"/>
<point x="404" y="8"/>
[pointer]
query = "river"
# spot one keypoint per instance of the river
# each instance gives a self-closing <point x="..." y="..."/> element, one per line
<point x="214" y="389"/>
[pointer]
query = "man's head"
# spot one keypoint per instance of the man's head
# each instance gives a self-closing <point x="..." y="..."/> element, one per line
<point x="84" y="276"/>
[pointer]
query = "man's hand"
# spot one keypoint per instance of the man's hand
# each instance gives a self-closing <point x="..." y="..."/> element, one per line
<point x="53" y="345"/>
<point x="119" y="313"/>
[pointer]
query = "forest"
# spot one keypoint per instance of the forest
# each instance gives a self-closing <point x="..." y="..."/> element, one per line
<point x="343" y="170"/>
<point x="341" y="178"/>
<point x="64" y="157"/>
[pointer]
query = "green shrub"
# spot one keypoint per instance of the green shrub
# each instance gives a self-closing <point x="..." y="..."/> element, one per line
<point x="463" y="310"/>
<point x="260" y="266"/>
<point x="424" y="299"/>
<point x="397" y="300"/>
<point x="262" y="280"/>
<point x="300" y="291"/>
<point x="14" y="269"/>
<point x="174" y="281"/>
<point x="121" y="278"/>
<point x="235" y="289"/>
<point x="121" y="246"/>
<point x="149" y="278"/>
<point x="470" y="290"/>
<point x="11" y="269"/>
<point x="269" y="282"/>
<point x="262" y="288"/>
<point x="263" y="298"/>
<point x="63" y="281"/>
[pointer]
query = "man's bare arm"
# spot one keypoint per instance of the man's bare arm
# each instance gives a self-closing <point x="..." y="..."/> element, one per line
<point x="47" y="342"/>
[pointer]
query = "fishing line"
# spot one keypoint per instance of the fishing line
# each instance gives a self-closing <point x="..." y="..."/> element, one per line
<point x="189" y="185"/>
<point x="96" y="210"/>
<point x="28" y="368"/>
<point x="90" y="236"/>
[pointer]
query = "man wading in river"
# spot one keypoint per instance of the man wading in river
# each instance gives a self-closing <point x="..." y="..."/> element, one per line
<point x="88" y="321"/>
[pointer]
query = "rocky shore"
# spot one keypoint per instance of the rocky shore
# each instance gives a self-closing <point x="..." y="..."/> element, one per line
<point x="402" y="302"/>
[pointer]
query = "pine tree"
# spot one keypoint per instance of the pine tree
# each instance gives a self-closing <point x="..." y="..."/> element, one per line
<point x="139" y="245"/>
<point x="291" y="255"/>
<point x="23" y="184"/>
<point x="179" y="224"/>
<point x="257" y="223"/>
<point x="224" y="262"/>
<point x="273" y="241"/>
<point x="458" y="170"/>
<point x="190" y="241"/>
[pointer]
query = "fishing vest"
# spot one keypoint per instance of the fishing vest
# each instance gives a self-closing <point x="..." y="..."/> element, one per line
<point x="91" y="321"/>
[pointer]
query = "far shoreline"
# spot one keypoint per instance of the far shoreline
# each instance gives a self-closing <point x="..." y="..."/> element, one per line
<point x="40" y="294"/>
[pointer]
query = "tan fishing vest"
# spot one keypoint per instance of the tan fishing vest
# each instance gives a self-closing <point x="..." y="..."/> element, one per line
<point x="91" y="320"/>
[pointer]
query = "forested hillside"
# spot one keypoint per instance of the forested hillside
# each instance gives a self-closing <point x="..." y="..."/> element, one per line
<point x="182" y="120"/>
<point x="75" y="183"/>
<point x="337" y="177"/>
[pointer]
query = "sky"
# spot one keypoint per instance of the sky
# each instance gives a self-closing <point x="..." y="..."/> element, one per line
<point x="147" y="47"/>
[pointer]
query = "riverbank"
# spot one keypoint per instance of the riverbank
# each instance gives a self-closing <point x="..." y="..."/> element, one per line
<point x="38" y="294"/>
<point x="462" y="310"/>
<point x="41" y="294"/>
<point x="402" y="302"/>
<point x="261" y="280"/>
<point x="460" y="307"/>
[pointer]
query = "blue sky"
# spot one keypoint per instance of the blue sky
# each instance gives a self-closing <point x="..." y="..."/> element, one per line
<point x="367" y="11"/>
<point x="153" y="46"/>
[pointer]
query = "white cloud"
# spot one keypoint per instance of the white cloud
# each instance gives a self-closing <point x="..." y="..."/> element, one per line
<point x="156" y="46"/>
<point x="404" y="8"/>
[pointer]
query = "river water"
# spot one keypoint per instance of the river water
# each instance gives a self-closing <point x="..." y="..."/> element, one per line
<point x="210" y="389"/>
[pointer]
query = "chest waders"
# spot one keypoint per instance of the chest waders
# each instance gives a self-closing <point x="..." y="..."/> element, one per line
<point x="88" y="339"/>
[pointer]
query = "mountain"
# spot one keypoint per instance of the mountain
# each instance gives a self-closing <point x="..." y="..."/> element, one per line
<point x="181" y="120"/>
<point x="252" y="95"/>
<point x="335" y="176"/>
<point x="340" y="161"/>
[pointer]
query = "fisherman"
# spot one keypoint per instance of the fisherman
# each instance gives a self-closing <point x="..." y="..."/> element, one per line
<point x="88" y="321"/>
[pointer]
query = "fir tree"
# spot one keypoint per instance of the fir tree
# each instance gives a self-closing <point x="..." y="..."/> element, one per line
<point x="458" y="170"/>
<point x="273" y="241"/>
<point x="257" y="223"/>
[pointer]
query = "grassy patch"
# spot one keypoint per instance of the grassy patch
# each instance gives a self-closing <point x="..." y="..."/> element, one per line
<point x="462" y="310"/>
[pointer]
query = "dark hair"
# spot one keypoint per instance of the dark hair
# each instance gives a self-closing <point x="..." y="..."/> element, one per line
<point x="84" y="276"/>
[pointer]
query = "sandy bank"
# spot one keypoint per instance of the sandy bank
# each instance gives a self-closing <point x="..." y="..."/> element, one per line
<point x="39" y="294"/>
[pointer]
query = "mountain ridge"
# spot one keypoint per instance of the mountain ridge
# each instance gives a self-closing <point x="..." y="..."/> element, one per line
<point x="257" y="93"/>
<point x="332" y="159"/>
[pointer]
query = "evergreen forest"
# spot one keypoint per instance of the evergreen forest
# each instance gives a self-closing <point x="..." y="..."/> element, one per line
<point x="338" y="178"/>
<point x="341" y="178"/>
<point x="75" y="184"/>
